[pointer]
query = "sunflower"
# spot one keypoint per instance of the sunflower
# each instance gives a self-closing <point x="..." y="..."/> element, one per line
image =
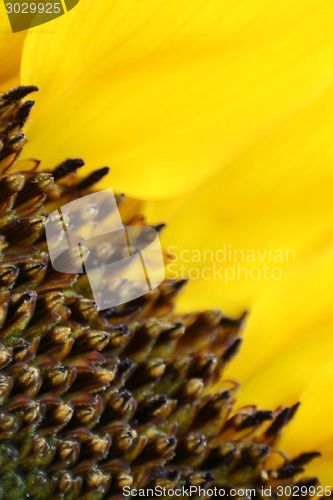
<point x="216" y="117"/>
<point x="98" y="405"/>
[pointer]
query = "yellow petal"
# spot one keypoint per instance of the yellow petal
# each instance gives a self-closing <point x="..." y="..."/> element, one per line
<point x="288" y="338"/>
<point x="282" y="379"/>
<point x="11" y="46"/>
<point x="274" y="199"/>
<point x="311" y="429"/>
<point x="168" y="92"/>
